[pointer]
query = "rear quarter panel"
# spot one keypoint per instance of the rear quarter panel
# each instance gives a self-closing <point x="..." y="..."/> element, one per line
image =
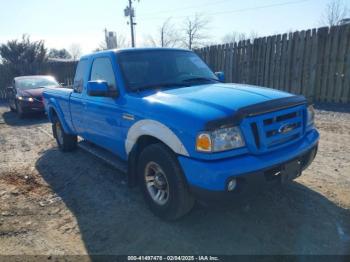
<point x="57" y="99"/>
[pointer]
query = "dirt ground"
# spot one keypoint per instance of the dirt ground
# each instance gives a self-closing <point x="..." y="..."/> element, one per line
<point x="53" y="203"/>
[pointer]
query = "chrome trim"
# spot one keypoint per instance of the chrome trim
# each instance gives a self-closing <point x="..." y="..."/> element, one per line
<point x="129" y="117"/>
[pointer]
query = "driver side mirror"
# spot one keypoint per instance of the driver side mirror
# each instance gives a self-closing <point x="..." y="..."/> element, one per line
<point x="100" y="88"/>
<point x="221" y="76"/>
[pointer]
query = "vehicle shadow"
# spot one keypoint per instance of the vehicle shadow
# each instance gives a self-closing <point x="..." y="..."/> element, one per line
<point x="11" y="118"/>
<point x="114" y="219"/>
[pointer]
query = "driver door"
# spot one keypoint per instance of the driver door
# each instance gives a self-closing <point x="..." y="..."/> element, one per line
<point x="103" y="114"/>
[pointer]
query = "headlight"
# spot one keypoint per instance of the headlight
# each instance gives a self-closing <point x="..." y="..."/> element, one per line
<point x="220" y="140"/>
<point x="24" y="98"/>
<point x="310" y="115"/>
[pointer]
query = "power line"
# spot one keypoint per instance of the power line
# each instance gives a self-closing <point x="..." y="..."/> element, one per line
<point x="185" y="8"/>
<point x="260" y="7"/>
<point x="237" y="10"/>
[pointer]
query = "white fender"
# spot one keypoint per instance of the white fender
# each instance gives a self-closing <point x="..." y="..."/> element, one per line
<point x="157" y="130"/>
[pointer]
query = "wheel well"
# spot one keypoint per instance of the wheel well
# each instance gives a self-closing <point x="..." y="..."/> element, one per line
<point x="141" y="143"/>
<point x="144" y="141"/>
<point x="52" y="114"/>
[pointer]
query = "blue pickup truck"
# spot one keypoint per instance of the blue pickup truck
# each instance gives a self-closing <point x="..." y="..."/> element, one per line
<point x="177" y="130"/>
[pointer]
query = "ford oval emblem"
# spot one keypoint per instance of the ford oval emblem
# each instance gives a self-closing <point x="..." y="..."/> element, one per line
<point x="285" y="128"/>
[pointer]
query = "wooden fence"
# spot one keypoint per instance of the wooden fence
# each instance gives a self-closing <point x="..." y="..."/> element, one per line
<point x="314" y="63"/>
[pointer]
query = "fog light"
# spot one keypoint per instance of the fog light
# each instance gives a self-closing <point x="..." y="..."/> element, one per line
<point x="232" y="185"/>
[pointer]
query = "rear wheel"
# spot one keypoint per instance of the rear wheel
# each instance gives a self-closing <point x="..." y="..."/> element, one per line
<point x="65" y="142"/>
<point x="163" y="183"/>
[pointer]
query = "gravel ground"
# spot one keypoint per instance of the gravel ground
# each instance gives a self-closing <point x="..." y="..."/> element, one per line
<point x="53" y="203"/>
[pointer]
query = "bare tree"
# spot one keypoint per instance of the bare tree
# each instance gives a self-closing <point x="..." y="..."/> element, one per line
<point x="236" y="37"/>
<point x="120" y="41"/>
<point x="75" y="51"/>
<point x="253" y="35"/>
<point x="194" y="31"/>
<point x="150" y="41"/>
<point x="334" y="13"/>
<point x="233" y="37"/>
<point x="167" y="36"/>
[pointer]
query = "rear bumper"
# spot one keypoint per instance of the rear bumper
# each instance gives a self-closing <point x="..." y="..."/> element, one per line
<point x="213" y="176"/>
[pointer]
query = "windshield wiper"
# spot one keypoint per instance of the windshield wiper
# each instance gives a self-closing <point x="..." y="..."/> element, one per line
<point x="200" y="79"/>
<point x="160" y="85"/>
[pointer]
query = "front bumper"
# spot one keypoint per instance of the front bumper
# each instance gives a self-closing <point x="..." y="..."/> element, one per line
<point x="214" y="175"/>
<point x="35" y="106"/>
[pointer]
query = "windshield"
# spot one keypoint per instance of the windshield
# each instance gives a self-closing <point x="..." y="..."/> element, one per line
<point x="35" y="82"/>
<point x="163" y="68"/>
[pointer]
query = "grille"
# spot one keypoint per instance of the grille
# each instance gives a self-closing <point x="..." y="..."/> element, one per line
<point x="273" y="130"/>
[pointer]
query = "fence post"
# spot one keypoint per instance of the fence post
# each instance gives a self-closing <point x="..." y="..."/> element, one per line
<point x="340" y="62"/>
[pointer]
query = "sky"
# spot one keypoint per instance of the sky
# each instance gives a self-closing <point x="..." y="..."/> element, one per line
<point x="61" y="23"/>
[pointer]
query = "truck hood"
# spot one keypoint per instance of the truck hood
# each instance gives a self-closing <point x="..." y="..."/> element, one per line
<point x="213" y="101"/>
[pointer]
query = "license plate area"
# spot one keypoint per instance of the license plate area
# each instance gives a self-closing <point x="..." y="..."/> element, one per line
<point x="290" y="171"/>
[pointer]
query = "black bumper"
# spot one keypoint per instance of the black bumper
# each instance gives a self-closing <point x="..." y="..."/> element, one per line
<point x="32" y="106"/>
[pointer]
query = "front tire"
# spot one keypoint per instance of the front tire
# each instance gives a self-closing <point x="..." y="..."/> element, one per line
<point x="163" y="183"/>
<point x="65" y="142"/>
<point x="19" y="110"/>
<point x="12" y="109"/>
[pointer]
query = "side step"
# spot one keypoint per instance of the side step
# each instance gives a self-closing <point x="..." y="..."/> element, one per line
<point x="105" y="155"/>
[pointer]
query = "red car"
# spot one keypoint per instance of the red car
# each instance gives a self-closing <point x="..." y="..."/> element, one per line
<point x="25" y="94"/>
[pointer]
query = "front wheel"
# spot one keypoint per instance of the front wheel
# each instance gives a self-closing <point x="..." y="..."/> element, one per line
<point x="12" y="109"/>
<point x="163" y="183"/>
<point x="19" y="110"/>
<point x="65" y="142"/>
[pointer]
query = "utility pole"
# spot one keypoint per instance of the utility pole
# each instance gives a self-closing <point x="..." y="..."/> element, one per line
<point x="132" y="24"/>
<point x="129" y="11"/>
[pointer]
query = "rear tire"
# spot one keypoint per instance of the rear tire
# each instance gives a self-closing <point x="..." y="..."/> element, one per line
<point x="163" y="183"/>
<point x="65" y="142"/>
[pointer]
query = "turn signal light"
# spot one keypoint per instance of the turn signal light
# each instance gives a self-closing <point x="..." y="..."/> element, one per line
<point x="203" y="143"/>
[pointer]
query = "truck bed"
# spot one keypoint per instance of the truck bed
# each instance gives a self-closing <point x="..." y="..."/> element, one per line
<point x="60" y="98"/>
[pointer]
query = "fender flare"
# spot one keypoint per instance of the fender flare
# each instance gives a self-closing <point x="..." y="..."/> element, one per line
<point x="157" y="130"/>
<point x="52" y="106"/>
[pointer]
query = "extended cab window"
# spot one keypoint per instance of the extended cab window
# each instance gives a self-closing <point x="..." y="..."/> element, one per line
<point x="79" y="76"/>
<point x="102" y="70"/>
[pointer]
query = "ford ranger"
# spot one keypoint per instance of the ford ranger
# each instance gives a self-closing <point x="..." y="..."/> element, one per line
<point x="177" y="130"/>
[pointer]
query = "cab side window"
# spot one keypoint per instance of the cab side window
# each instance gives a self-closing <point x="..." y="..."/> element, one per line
<point x="102" y="70"/>
<point x="79" y="76"/>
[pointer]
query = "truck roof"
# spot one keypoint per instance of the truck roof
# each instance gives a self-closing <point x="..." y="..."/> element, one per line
<point x="124" y="50"/>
